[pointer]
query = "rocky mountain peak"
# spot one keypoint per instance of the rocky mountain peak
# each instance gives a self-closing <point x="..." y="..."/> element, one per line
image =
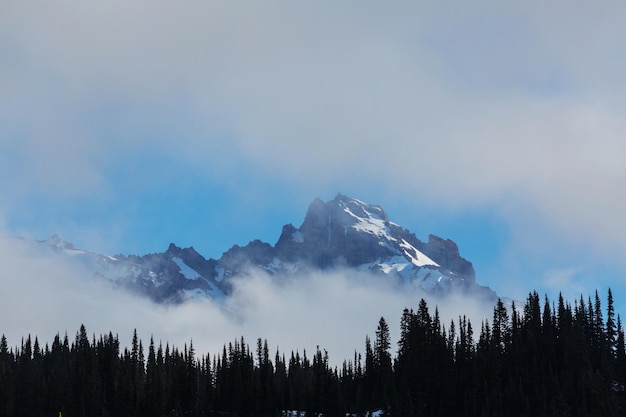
<point x="173" y="250"/>
<point x="187" y="253"/>
<point x="351" y="233"/>
<point x="360" y="210"/>
<point x="447" y="253"/>
<point x="343" y="232"/>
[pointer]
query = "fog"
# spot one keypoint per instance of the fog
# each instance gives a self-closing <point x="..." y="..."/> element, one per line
<point x="514" y="109"/>
<point x="44" y="294"/>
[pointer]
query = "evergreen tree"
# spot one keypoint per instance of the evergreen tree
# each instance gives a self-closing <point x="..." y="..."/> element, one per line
<point x="383" y="372"/>
<point x="611" y="328"/>
<point x="7" y="381"/>
<point x="550" y="362"/>
<point x="620" y="353"/>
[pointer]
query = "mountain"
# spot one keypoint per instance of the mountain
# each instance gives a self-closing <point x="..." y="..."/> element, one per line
<point x="173" y="276"/>
<point x="340" y="233"/>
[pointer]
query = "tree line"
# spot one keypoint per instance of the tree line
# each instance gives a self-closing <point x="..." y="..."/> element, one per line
<point x="546" y="358"/>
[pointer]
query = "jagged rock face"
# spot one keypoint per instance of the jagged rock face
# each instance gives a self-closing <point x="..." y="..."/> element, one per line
<point x="172" y="276"/>
<point x="342" y="232"/>
<point x="237" y="259"/>
<point x="347" y="232"/>
<point x="446" y="252"/>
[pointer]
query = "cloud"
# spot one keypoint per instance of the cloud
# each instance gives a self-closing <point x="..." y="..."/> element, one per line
<point x="566" y="280"/>
<point x="44" y="294"/>
<point x="512" y="106"/>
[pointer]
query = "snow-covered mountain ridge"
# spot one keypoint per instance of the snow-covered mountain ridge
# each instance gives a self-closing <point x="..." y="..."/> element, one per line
<point x="340" y="233"/>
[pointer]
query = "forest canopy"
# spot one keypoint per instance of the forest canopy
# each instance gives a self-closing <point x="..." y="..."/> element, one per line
<point x="544" y="358"/>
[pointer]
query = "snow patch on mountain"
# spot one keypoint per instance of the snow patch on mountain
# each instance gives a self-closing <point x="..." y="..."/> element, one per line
<point x="416" y="257"/>
<point x="185" y="270"/>
<point x="366" y="218"/>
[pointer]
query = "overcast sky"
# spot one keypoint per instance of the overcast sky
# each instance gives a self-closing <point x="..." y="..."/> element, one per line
<point x="125" y="126"/>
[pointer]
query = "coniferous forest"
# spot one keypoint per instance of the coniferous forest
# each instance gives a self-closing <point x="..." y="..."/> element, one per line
<point x="547" y="358"/>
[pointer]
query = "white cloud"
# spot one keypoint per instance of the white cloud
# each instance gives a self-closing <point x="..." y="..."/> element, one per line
<point x="44" y="294"/>
<point x="518" y="106"/>
<point x="567" y="280"/>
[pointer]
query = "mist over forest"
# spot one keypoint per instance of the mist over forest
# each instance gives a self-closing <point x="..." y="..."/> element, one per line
<point x="547" y="357"/>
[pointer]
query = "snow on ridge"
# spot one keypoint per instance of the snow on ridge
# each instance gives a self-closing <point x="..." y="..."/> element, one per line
<point x="419" y="276"/>
<point x="395" y="263"/>
<point x="429" y="279"/>
<point x="375" y="227"/>
<point x="185" y="270"/>
<point x="417" y="258"/>
<point x="373" y="219"/>
<point x="372" y="224"/>
<point x="375" y="222"/>
<point x="155" y="279"/>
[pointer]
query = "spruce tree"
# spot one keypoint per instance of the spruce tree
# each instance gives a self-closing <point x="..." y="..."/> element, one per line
<point x="7" y="382"/>
<point x="611" y="328"/>
<point x="620" y="353"/>
<point x="382" y="361"/>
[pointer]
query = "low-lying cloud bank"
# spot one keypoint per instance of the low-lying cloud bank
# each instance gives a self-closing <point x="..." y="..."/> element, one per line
<point x="44" y="294"/>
